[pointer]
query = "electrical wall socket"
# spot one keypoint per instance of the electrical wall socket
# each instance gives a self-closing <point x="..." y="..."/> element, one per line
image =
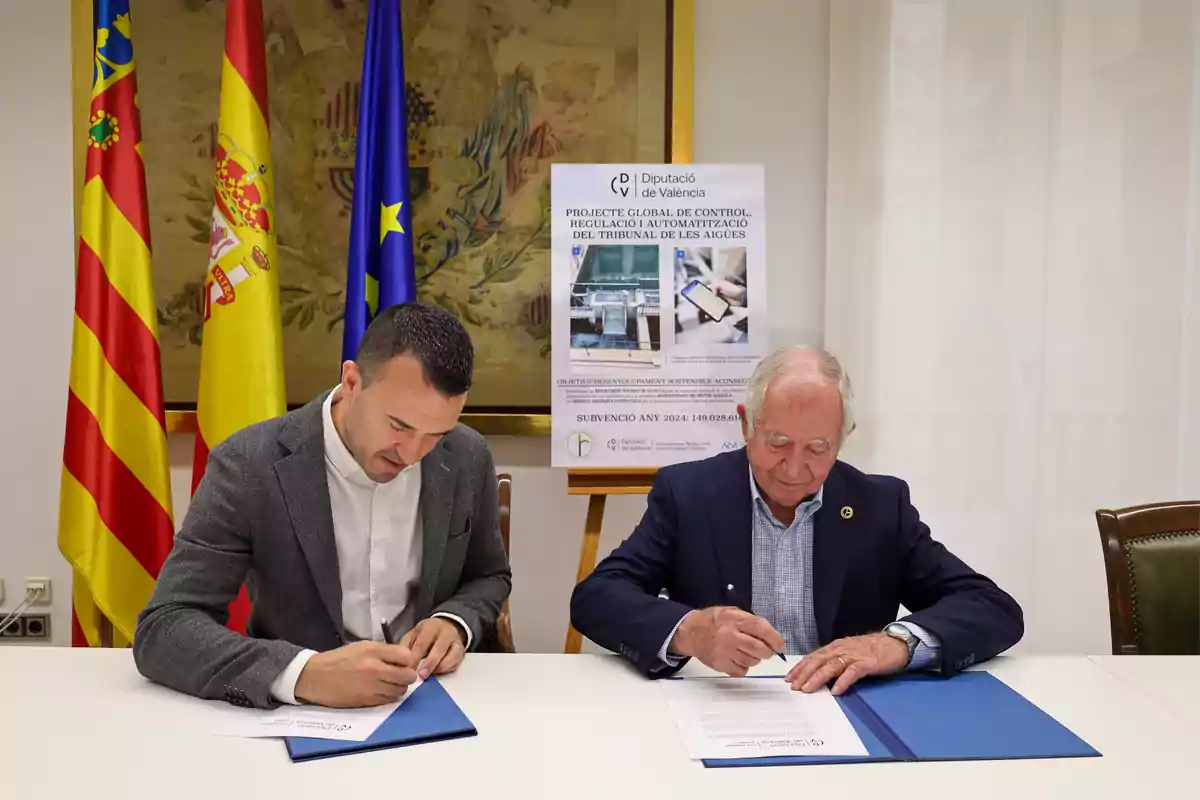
<point x="39" y="583"/>
<point x="37" y="626"/>
<point x="28" y="626"/>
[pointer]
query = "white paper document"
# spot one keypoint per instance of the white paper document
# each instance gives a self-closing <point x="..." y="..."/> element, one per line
<point x="345" y="724"/>
<point x="756" y="717"/>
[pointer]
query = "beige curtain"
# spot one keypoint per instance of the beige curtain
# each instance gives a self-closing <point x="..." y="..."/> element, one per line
<point x="1012" y="210"/>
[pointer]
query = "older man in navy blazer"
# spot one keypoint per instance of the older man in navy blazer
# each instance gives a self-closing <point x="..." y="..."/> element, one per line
<point x="781" y="548"/>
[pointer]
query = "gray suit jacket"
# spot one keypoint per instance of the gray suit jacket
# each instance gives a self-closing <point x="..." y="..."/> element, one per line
<point x="262" y="516"/>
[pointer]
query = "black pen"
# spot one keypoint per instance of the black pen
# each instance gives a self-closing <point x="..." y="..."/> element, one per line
<point x="781" y="657"/>
<point x="387" y="637"/>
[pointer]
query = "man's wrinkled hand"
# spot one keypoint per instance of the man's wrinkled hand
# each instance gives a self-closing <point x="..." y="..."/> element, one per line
<point x="439" y="645"/>
<point x="357" y="675"/>
<point x="726" y="639"/>
<point x="849" y="660"/>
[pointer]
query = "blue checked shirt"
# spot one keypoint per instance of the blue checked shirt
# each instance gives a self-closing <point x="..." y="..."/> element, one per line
<point x="782" y="582"/>
<point x="782" y="558"/>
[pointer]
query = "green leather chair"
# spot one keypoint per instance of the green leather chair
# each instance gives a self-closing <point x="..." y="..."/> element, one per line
<point x="1152" y="557"/>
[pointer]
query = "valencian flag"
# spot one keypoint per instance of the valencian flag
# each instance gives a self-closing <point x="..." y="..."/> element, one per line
<point x="380" y="272"/>
<point x="115" y="506"/>
<point x="241" y="357"/>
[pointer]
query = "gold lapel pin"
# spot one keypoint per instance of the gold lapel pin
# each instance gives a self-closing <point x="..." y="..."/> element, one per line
<point x="847" y="512"/>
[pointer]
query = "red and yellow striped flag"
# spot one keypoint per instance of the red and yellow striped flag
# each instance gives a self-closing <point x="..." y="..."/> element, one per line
<point x="115" y="507"/>
<point x="241" y="358"/>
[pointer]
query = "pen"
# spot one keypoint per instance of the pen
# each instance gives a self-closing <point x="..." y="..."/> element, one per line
<point x="781" y="657"/>
<point x="387" y="637"/>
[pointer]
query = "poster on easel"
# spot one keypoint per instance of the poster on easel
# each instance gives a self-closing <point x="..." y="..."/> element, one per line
<point x="658" y="309"/>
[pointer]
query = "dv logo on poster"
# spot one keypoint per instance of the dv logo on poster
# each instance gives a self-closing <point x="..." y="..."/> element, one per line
<point x="621" y="184"/>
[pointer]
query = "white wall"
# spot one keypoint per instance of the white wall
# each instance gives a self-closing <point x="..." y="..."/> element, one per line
<point x="36" y="230"/>
<point x="762" y="77"/>
<point x="1188" y="476"/>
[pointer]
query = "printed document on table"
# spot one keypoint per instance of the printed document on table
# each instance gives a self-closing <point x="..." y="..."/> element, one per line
<point x="755" y="717"/>
<point x="345" y="724"/>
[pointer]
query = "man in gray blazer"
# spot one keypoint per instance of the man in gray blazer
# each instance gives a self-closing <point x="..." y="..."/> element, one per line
<point x="365" y="517"/>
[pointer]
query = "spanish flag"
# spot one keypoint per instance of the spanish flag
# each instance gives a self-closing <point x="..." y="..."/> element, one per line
<point x="241" y="357"/>
<point x="115" y="523"/>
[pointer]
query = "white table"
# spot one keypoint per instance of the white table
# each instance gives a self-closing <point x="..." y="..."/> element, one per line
<point x="83" y="723"/>
<point x="1173" y="682"/>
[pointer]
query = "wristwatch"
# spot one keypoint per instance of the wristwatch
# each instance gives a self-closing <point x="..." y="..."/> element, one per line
<point x="901" y="632"/>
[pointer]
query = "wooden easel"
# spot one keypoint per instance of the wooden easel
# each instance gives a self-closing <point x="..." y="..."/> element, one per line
<point x="598" y="484"/>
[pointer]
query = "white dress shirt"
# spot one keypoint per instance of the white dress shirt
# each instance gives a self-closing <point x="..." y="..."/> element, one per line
<point x="377" y="530"/>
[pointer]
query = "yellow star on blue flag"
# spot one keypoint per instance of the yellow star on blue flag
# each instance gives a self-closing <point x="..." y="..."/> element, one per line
<point x="389" y="219"/>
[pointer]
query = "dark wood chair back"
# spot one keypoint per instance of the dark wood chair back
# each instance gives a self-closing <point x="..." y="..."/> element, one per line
<point x="1152" y="558"/>
<point x="504" y="637"/>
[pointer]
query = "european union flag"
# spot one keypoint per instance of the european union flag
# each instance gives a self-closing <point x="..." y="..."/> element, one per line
<point x="381" y="270"/>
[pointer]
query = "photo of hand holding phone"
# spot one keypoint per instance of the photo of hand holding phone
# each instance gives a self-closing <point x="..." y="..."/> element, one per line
<point x="711" y="296"/>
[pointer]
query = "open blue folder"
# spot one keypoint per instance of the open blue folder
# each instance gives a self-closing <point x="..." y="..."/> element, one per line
<point x="972" y="716"/>
<point x="430" y="715"/>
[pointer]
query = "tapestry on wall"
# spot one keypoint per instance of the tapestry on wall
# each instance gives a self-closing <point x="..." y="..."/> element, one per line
<point x="497" y="91"/>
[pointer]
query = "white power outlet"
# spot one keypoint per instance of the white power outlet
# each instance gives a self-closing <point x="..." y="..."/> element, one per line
<point x="43" y="584"/>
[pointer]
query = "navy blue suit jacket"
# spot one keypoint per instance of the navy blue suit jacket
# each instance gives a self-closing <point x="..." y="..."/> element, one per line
<point x="694" y="541"/>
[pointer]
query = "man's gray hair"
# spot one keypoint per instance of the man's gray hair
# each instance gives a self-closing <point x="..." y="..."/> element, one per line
<point x="779" y="361"/>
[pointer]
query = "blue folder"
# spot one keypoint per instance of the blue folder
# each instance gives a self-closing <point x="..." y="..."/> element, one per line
<point x="430" y="715"/>
<point x="972" y="716"/>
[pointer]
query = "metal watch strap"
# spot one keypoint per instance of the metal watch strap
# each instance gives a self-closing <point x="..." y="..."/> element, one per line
<point x="901" y="632"/>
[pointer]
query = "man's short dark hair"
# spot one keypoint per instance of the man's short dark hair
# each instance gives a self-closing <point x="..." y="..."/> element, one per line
<point x="433" y="337"/>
